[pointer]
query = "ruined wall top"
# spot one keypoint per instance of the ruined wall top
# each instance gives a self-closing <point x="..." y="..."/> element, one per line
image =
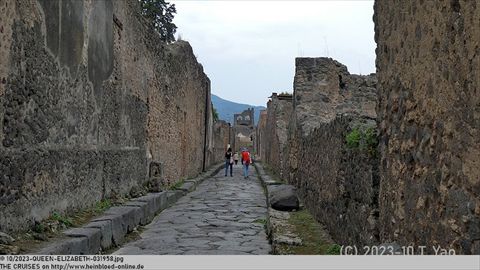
<point x="323" y="88"/>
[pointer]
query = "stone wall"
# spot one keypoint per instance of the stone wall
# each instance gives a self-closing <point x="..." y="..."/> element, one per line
<point x="260" y="136"/>
<point x="89" y="96"/>
<point x="338" y="184"/>
<point x="221" y="139"/>
<point x="279" y="112"/>
<point x="428" y="62"/>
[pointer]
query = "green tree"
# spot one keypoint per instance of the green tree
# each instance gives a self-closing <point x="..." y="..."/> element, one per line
<point x="215" y="114"/>
<point x="160" y="15"/>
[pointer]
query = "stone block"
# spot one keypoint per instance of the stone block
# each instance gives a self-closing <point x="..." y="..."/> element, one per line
<point x="128" y="215"/>
<point x="283" y="197"/>
<point x="69" y="246"/>
<point x="78" y="246"/>
<point x="105" y="227"/>
<point x="93" y="236"/>
<point x="187" y="187"/>
<point x="159" y="201"/>
<point x="119" y="228"/>
<point x="173" y="196"/>
<point x="141" y="213"/>
<point x="150" y="206"/>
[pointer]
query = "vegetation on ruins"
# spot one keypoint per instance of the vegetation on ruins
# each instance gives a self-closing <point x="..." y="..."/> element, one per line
<point x="176" y="185"/>
<point x="215" y="114"/>
<point x="160" y="14"/>
<point x="353" y="138"/>
<point x="62" y="219"/>
<point x="314" y="239"/>
<point x="363" y="139"/>
<point x="334" y="249"/>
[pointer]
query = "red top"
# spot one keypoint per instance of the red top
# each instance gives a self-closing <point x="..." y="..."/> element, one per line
<point x="246" y="156"/>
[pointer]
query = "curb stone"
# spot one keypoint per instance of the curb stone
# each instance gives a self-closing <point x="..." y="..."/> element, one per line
<point x="93" y="236"/>
<point x="105" y="227"/>
<point x="110" y="229"/>
<point x="274" y="217"/>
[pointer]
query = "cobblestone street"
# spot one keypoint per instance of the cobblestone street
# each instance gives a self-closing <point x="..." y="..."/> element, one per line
<point x="224" y="215"/>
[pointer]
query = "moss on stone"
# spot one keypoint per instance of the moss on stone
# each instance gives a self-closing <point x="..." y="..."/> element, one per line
<point x="315" y="240"/>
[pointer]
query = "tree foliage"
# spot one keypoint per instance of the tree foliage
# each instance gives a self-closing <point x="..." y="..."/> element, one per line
<point x="215" y="114"/>
<point x="160" y="15"/>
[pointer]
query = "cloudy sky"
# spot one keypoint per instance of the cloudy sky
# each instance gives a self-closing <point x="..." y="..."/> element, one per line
<point x="248" y="48"/>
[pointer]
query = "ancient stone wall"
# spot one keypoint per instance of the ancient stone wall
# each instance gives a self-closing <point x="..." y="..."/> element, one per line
<point x="428" y="62"/>
<point x="338" y="183"/>
<point x="89" y="96"/>
<point x="279" y="112"/>
<point x="260" y="136"/>
<point x="221" y="138"/>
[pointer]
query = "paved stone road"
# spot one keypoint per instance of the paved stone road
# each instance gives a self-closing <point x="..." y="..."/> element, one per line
<point x="220" y="217"/>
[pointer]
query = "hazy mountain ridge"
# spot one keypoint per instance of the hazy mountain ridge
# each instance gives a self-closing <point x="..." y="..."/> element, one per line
<point x="226" y="108"/>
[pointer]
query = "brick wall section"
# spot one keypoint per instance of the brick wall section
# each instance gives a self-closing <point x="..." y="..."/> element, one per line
<point x="89" y="97"/>
<point x="428" y="62"/>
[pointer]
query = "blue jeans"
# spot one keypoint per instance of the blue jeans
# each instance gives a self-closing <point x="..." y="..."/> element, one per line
<point x="245" y="169"/>
<point x="227" y="164"/>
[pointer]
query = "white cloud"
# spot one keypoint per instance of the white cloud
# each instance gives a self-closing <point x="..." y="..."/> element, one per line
<point x="248" y="48"/>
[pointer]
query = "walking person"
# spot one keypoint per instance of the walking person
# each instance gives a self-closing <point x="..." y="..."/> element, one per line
<point x="235" y="158"/>
<point x="229" y="161"/>
<point x="246" y="162"/>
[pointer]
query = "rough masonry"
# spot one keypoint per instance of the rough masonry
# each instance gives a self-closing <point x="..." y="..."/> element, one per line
<point x="339" y="184"/>
<point x="89" y="98"/>
<point x="279" y="112"/>
<point x="428" y="62"/>
<point x="304" y="139"/>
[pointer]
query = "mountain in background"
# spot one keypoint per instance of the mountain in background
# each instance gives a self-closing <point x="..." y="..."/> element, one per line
<point x="226" y="109"/>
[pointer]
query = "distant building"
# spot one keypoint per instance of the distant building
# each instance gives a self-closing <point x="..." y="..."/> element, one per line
<point x="244" y="130"/>
<point x="246" y="118"/>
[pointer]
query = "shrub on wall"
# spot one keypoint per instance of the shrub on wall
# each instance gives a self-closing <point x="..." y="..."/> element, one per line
<point x="363" y="139"/>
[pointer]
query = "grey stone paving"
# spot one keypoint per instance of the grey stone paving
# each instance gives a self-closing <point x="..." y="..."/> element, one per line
<point x="220" y="217"/>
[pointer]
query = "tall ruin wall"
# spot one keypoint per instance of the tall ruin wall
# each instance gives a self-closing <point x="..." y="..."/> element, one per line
<point x="260" y="136"/>
<point x="279" y="111"/>
<point x="338" y="183"/>
<point x="222" y="133"/>
<point x="428" y="63"/>
<point x="89" y="97"/>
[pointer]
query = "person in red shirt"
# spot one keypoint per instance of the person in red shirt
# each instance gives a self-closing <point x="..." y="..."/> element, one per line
<point x="246" y="162"/>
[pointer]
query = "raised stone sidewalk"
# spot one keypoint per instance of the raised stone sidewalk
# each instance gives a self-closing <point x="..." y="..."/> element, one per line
<point x="110" y="229"/>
